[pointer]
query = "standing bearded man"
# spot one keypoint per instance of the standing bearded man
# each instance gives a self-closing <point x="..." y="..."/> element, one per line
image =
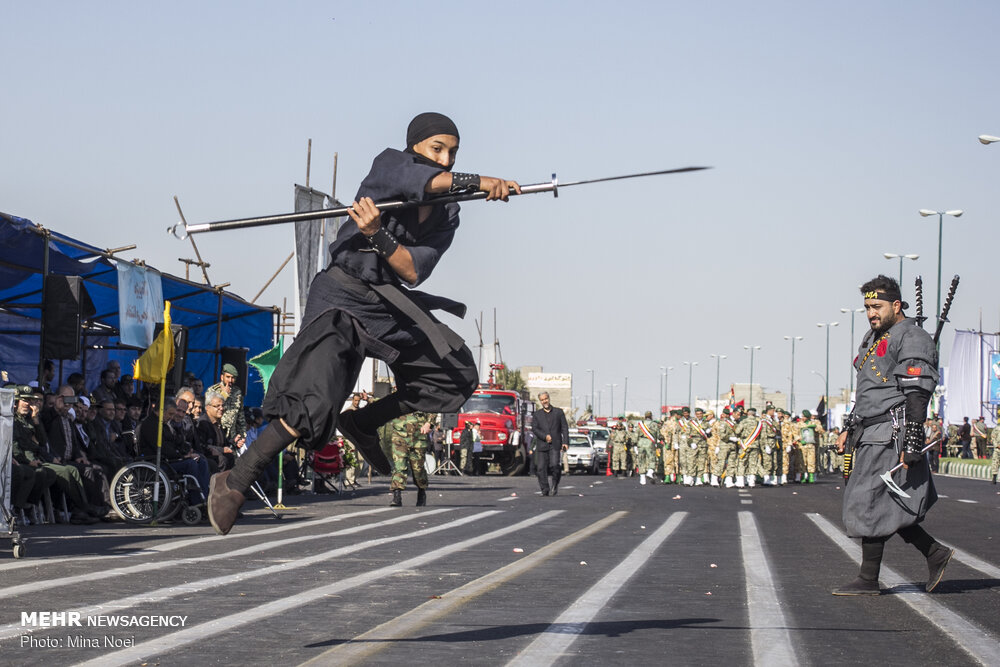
<point x="551" y="439"/>
<point x="362" y="306"/>
<point x="897" y="373"/>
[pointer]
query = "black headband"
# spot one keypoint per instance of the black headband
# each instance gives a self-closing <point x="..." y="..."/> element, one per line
<point x="887" y="296"/>
<point x="883" y="296"/>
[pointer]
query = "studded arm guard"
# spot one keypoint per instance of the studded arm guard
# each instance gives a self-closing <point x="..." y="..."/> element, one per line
<point x="464" y="182"/>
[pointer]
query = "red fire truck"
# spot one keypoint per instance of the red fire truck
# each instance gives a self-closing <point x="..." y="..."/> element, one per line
<point x="504" y="417"/>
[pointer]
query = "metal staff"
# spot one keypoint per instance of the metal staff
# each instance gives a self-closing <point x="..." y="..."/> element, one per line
<point x="182" y="230"/>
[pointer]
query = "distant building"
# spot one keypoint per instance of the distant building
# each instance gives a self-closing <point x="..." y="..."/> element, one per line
<point x="558" y="385"/>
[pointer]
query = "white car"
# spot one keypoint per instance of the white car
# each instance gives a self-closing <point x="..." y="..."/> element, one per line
<point x="581" y="454"/>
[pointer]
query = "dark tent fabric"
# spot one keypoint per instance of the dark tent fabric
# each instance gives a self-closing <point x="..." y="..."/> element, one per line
<point x="214" y="318"/>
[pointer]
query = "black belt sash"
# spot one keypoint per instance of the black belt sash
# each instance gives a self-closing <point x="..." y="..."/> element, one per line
<point x="441" y="338"/>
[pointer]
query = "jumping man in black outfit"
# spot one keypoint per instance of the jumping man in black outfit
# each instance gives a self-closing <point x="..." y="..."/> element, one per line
<point x="362" y="306"/>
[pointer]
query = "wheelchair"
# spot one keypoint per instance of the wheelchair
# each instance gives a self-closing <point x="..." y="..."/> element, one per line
<point x="133" y="490"/>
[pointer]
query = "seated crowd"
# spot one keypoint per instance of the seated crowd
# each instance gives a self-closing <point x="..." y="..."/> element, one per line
<point x="72" y="442"/>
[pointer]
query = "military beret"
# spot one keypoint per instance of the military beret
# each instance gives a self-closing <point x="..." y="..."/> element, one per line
<point x="229" y="368"/>
<point x="806" y="414"/>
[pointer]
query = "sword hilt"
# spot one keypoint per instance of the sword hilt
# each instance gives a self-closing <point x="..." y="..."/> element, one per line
<point x="919" y="289"/>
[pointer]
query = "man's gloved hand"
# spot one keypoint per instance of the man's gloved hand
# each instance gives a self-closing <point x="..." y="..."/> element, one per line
<point x="913" y="442"/>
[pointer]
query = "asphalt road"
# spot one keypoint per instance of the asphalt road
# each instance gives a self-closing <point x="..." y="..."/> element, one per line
<point x="607" y="572"/>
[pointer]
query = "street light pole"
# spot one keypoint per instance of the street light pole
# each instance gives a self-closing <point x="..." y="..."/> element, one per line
<point x="625" y="400"/>
<point x="893" y="255"/>
<point x="826" y="396"/>
<point x="690" y="365"/>
<point x="718" y="361"/>
<point x="593" y="407"/>
<point x="957" y="213"/>
<point x="853" y="371"/>
<point x="611" y="412"/>
<point x="751" y="348"/>
<point x="666" y="384"/>
<point x="791" y="391"/>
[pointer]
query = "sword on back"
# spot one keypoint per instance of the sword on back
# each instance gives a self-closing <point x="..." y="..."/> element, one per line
<point x="945" y="309"/>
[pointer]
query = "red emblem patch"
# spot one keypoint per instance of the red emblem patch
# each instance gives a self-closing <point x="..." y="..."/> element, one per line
<point x="913" y="370"/>
<point x="882" y="348"/>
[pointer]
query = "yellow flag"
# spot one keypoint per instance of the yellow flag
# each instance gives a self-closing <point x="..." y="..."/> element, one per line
<point x="154" y="363"/>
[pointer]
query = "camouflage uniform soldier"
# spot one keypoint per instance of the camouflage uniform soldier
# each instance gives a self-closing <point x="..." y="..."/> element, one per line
<point x="995" y="461"/>
<point x="810" y="435"/>
<point x="836" y="459"/>
<point x="668" y="433"/>
<point x="748" y="432"/>
<point x="646" y="447"/>
<point x="701" y="434"/>
<point x="713" y="445"/>
<point x="686" y="447"/>
<point x="632" y="439"/>
<point x="769" y="436"/>
<point x="234" y="421"/>
<point x="408" y="435"/>
<point x="789" y="437"/>
<point x="618" y="442"/>
<point x="725" y="460"/>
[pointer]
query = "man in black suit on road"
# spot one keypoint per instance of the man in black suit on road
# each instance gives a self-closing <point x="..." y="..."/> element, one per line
<point x="551" y="437"/>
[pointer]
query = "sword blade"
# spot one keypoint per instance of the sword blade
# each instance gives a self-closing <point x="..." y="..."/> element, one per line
<point x="618" y="178"/>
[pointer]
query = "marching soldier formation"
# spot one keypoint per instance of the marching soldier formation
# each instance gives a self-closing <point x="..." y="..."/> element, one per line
<point x="737" y="450"/>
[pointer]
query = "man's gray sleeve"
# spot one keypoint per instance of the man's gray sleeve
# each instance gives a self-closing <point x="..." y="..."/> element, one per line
<point x="917" y="365"/>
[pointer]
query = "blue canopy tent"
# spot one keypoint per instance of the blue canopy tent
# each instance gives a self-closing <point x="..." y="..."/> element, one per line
<point x="214" y="318"/>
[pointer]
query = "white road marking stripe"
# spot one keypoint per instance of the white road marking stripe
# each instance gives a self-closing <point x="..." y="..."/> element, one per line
<point x="45" y="584"/>
<point x="971" y="502"/>
<point x="201" y="539"/>
<point x="190" y="587"/>
<point x="769" y="635"/>
<point x="967" y="635"/>
<point x="365" y="645"/>
<point x="212" y="628"/>
<point x="746" y="502"/>
<point x="508" y="498"/>
<point x="553" y="642"/>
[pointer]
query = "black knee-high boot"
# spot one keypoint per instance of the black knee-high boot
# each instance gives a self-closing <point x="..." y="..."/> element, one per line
<point x="872" y="549"/>
<point x="258" y="455"/>
<point x="871" y="564"/>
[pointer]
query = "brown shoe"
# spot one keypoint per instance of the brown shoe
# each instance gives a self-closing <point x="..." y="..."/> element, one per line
<point x="223" y="503"/>
<point x="936" y="563"/>
<point x="859" y="587"/>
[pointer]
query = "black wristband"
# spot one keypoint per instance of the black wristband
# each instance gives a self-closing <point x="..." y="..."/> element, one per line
<point x="464" y="182"/>
<point x="382" y="242"/>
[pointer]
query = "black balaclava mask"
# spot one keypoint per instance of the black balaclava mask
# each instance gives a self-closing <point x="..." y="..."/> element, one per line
<point x="424" y="126"/>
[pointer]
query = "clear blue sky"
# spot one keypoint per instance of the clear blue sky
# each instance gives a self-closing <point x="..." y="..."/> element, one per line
<point x="829" y="125"/>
